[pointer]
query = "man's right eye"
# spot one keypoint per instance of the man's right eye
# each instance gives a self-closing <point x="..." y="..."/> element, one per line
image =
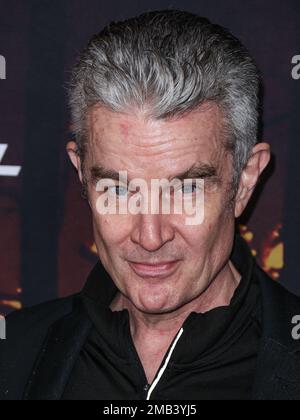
<point x="118" y="190"/>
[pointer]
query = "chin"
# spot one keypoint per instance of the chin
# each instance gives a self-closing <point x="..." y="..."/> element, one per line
<point x="155" y="306"/>
<point x="152" y="311"/>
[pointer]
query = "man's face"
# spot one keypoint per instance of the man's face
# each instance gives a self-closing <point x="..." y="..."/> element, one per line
<point x="156" y="149"/>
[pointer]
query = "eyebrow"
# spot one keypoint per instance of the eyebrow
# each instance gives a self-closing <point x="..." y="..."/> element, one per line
<point x="196" y="171"/>
<point x="99" y="172"/>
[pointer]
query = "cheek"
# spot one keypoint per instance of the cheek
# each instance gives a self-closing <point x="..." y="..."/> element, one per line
<point x="111" y="229"/>
<point x="197" y="239"/>
<point x="218" y="219"/>
<point x="216" y="208"/>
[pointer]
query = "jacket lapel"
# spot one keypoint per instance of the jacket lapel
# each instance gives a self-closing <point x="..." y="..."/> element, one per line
<point x="58" y="355"/>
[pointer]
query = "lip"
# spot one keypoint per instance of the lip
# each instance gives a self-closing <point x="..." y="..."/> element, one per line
<point x="163" y="269"/>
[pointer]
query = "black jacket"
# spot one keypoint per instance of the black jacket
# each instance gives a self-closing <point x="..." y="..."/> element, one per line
<point x="44" y="342"/>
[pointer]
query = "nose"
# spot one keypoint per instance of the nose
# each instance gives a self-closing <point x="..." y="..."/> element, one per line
<point x="152" y="231"/>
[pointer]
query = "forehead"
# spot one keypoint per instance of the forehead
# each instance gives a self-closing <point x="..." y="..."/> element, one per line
<point x="133" y="142"/>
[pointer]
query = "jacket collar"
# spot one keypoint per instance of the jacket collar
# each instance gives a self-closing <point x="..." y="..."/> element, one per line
<point x="278" y="366"/>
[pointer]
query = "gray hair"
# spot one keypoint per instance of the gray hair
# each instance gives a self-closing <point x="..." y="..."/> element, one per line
<point x="169" y="63"/>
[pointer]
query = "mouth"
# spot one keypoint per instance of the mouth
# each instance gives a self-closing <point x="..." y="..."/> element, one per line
<point x="161" y="270"/>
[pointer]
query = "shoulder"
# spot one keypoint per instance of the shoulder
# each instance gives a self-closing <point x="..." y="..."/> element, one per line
<point x="280" y="309"/>
<point x="275" y="292"/>
<point x="26" y="330"/>
<point x="37" y="317"/>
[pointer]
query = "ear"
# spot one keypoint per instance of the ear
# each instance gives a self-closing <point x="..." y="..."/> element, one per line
<point x="258" y="161"/>
<point x="72" y="151"/>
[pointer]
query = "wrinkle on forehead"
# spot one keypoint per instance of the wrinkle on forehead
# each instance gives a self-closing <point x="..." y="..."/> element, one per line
<point x="140" y="142"/>
<point x="124" y="121"/>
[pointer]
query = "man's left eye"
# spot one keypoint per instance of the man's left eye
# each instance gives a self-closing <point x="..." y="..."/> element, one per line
<point x="189" y="188"/>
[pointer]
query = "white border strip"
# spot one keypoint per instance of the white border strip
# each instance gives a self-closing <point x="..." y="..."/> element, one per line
<point x="157" y="379"/>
